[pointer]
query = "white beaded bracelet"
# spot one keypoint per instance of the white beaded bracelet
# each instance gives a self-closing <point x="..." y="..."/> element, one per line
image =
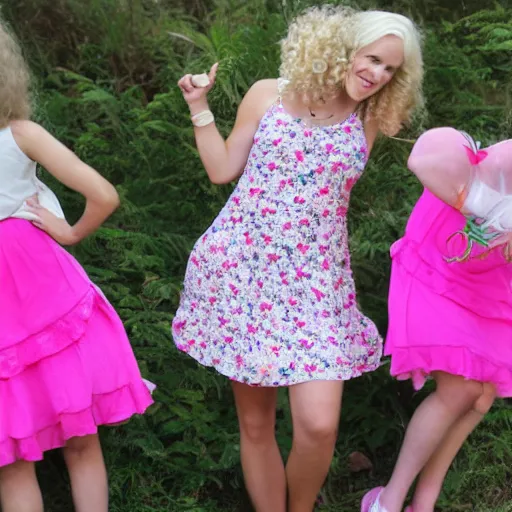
<point x="203" y="118"/>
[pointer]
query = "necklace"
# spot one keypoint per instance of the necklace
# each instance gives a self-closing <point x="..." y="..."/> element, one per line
<point x="312" y="114"/>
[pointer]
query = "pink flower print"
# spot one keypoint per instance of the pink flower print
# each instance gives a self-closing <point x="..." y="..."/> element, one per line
<point x="299" y="274"/>
<point x="276" y="142"/>
<point x="325" y="313"/>
<point x="306" y="344"/>
<point x="282" y="184"/>
<point x="259" y="282"/>
<point x="255" y="191"/>
<point x="191" y="343"/>
<point x="292" y="366"/>
<point x="212" y="300"/>
<point x="323" y="249"/>
<point x="332" y="341"/>
<point x="271" y="166"/>
<point x="283" y="276"/>
<point x="178" y="326"/>
<point x="223" y="321"/>
<point x="336" y="166"/>
<point x="299" y="200"/>
<point x="299" y="323"/>
<point x="320" y="169"/>
<point x="265" y="306"/>
<point x="324" y="191"/>
<point x="237" y="311"/>
<point x="341" y="211"/>
<point x="251" y="329"/>
<point x="325" y="213"/>
<point x="338" y="283"/>
<point x="215" y="361"/>
<point x="347" y="129"/>
<point x="267" y="210"/>
<point x="275" y="350"/>
<point x="236" y="200"/>
<point x="349" y="183"/>
<point x="318" y="294"/>
<point x="308" y="133"/>
<point x="272" y="258"/>
<point x="236" y="220"/>
<point x="280" y="122"/>
<point x="256" y="140"/>
<point x="303" y="248"/>
<point x="325" y="264"/>
<point x="239" y="361"/>
<point x="310" y="368"/>
<point x="292" y="301"/>
<point x="267" y="239"/>
<point x="329" y="148"/>
<point x="234" y="289"/>
<point x="299" y="155"/>
<point x="287" y="225"/>
<point x="195" y="261"/>
<point x="248" y="239"/>
<point x="228" y="339"/>
<point x="227" y="265"/>
<point x="203" y="344"/>
<point x="303" y="222"/>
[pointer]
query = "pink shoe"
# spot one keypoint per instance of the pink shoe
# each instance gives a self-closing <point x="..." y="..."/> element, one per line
<point x="370" y="499"/>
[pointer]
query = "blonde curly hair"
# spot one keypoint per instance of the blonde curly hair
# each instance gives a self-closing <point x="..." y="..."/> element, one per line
<point x="320" y="46"/>
<point x="14" y="79"/>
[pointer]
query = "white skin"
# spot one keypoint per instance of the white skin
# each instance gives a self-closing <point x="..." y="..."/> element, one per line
<point x="434" y="436"/>
<point x="19" y="489"/>
<point x="315" y="406"/>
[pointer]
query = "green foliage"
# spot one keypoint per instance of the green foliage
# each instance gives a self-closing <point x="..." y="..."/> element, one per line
<point x="105" y="78"/>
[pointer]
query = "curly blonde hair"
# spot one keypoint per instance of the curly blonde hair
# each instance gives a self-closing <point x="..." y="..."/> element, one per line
<point x="320" y="47"/>
<point x="14" y="79"/>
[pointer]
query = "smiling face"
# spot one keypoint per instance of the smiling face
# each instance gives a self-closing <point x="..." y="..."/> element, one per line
<point x="374" y="66"/>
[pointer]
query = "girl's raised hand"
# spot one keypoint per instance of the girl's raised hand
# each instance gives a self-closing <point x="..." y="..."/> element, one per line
<point x="195" y="93"/>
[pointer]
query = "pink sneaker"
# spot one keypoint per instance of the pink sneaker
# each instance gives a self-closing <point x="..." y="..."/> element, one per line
<point x="370" y="499"/>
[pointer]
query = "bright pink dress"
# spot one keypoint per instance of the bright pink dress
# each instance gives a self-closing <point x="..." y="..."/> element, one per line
<point x="66" y="365"/>
<point x="452" y="317"/>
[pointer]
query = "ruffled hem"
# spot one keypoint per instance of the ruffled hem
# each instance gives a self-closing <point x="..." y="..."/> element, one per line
<point x="51" y="340"/>
<point x="417" y="363"/>
<point x="272" y="377"/>
<point x="106" y="409"/>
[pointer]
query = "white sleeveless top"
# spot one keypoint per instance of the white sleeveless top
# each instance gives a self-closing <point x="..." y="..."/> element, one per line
<point x="18" y="182"/>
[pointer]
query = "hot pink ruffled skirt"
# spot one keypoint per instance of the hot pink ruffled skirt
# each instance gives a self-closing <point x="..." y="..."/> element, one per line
<point x="450" y="317"/>
<point x="66" y="365"/>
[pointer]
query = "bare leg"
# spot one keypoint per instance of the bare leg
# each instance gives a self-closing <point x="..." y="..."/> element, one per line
<point x="261" y="461"/>
<point x="19" y="490"/>
<point x="87" y="473"/>
<point x="315" y="410"/>
<point x="432" y="477"/>
<point x="453" y="398"/>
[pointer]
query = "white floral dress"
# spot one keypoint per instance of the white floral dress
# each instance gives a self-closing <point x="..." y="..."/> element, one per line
<point x="269" y="297"/>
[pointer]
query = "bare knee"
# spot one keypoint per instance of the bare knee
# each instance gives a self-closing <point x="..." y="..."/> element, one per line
<point x="456" y="392"/>
<point x="19" y="470"/>
<point x="257" y="426"/>
<point x="316" y="430"/>
<point x="484" y="402"/>
<point x="80" y="446"/>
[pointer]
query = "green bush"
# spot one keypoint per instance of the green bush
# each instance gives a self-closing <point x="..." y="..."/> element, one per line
<point x="105" y="74"/>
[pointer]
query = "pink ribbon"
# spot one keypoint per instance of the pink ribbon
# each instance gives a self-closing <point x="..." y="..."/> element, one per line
<point x="476" y="157"/>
